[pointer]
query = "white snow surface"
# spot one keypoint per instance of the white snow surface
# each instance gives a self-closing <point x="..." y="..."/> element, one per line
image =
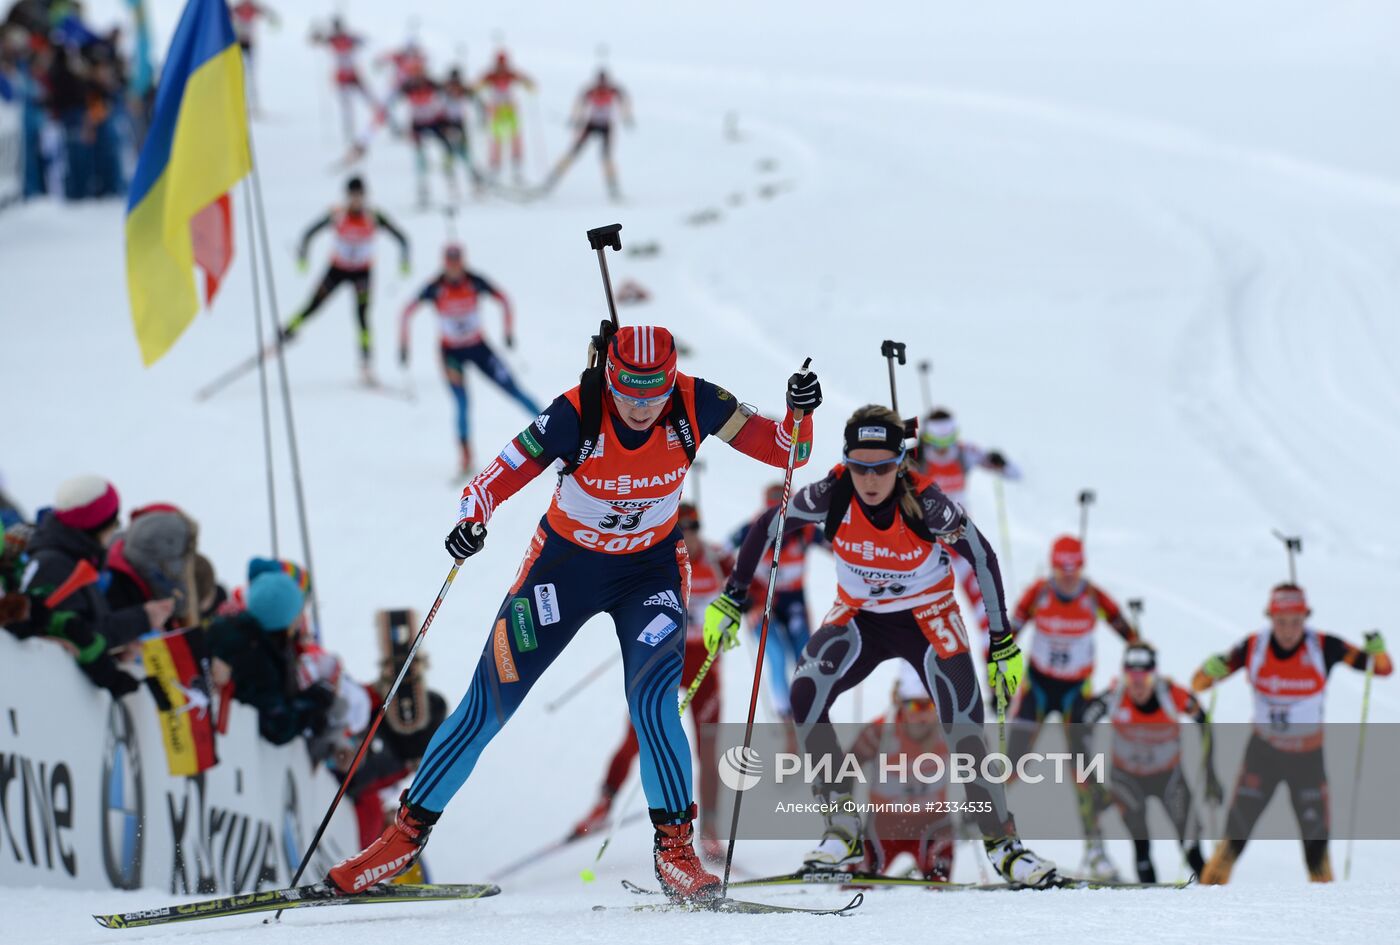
<point x="1150" y="248"/>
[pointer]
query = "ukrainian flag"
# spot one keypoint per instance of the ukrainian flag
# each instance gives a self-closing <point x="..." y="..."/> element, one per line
<point x="196" y="150"/>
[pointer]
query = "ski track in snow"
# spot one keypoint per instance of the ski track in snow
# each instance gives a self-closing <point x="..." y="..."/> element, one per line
<point x="1198" y="324"/>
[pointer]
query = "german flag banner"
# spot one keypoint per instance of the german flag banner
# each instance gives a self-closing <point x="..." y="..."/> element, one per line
<point x="186" y="720"/>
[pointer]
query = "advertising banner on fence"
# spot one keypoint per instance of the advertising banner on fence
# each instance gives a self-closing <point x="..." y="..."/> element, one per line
<point x="87" y="800"/>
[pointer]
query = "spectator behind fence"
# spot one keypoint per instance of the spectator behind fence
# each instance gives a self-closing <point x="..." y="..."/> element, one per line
<point x="79" y="113"/>
<point x="255" y="651"/>
<point x="153" y="559"/>
<point x="62" y="580"/>
<point x="207" y="589"/>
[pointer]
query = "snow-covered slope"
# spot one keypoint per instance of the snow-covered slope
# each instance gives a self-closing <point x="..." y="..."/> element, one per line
<point x="1150" y="248"/>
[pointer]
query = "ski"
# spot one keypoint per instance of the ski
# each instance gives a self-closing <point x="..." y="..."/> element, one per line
<point x="234" y="373"/>
<point x="1070" y="882"/>
<point x="317" y="894"/>
<point x="735" y="907"/>
<point x="823" y="878"/>
<point x="858" y="880"/>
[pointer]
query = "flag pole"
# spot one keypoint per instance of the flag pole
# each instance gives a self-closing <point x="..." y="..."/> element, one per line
<point x="298" y="491"/>
<point x="262" y="369"/>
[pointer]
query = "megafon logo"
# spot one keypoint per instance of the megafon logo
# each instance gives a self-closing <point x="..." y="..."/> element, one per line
<point x="740" y="768"/>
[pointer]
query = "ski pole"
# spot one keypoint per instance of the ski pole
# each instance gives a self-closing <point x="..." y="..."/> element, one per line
<point x="925" y="368"/>
<point x="1360" y="749"/>
<point x="374" y="726"/>
<point x="584" y="682"/>
<point x="1004" y="522"/>
<point x="600" y="238"/>
<point x="892" y="351"/>
<point x="700" y="675"/>
<point x="1209" y="819"/>
<point x="1135" y="606"/>
<point x="763" y="628"/>
<point x="1001" y="719"/>
<point x="1086" y="499"/>
<point x="614" y="822"/>
<point x="1293" y="545"/>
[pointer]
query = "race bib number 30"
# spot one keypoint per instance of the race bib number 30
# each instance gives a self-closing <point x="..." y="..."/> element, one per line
<point x="942" y="626"/>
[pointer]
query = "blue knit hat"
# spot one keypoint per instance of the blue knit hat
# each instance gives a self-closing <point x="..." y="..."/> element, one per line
<point x="274" y="600"/>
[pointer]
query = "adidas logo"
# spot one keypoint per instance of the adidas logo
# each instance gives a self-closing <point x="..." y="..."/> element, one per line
<point x="371" y="876"/>
<point x="664" y="599"/>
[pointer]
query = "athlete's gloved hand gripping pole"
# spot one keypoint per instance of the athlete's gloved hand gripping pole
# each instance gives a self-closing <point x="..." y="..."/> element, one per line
<point x="803" y="396"/>
<point x="478" y="535"/>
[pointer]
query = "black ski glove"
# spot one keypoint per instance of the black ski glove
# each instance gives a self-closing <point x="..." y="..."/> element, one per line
<point x="465" y="539"/>
<point x="804" y="391"/>
<point x="996" y="460"/>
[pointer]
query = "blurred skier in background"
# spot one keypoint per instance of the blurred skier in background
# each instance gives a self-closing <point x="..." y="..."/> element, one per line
<point x="1287" y="664"/>
<point x="947" y="459"/>
<point x="456" y="296"/>
<point x="595" y="113"/>
<point x="353" y="227"/>
<point x="497" y="89"/>
<point x="344" y="47"/>
<point x="246" y="14"/>
<point x="1145" y="710"/>
<point x="1065" y="609"/>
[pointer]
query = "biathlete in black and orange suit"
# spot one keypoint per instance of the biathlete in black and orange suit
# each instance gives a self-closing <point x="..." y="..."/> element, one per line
<point x="1287" y="664"/>
<point x="888" y="529"/>
<point x="1065" y="609"/>
<point x="344" y="47"/>
<point x="246" y="14"/>
<point x="353" y="226"/>
<point x="948" y="459"/>
<point x="595" y="115"/>
<point x="626" y="437"/>
<point x="710" y="565"/>
<point x="1145" y="710"/>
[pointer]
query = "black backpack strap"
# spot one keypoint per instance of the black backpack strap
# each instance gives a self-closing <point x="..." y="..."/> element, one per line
<point x="590" y="417"/>
<point x="680" y="422"/>
<point x="918" y="526"/>
<point x="841" y="495"/>
<point x="590" y="396"/>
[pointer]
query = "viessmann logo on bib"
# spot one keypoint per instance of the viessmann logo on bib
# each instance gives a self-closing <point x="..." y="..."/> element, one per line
<point x="626" y="484"/>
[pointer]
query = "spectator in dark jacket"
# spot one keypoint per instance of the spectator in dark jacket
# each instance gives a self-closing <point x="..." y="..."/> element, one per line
<point x="257" y="651"/>
<point x="63" y="582"/>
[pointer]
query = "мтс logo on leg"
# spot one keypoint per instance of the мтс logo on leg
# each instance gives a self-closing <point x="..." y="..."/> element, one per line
<point x="740" y="768"/>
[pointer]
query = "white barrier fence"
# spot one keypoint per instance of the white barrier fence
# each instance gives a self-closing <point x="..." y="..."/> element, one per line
<point x="11" y="153"/>
<point x="86" y="799"/>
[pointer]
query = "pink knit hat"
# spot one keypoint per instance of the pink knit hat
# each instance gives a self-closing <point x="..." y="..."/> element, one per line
<point x="86" y="503"/>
